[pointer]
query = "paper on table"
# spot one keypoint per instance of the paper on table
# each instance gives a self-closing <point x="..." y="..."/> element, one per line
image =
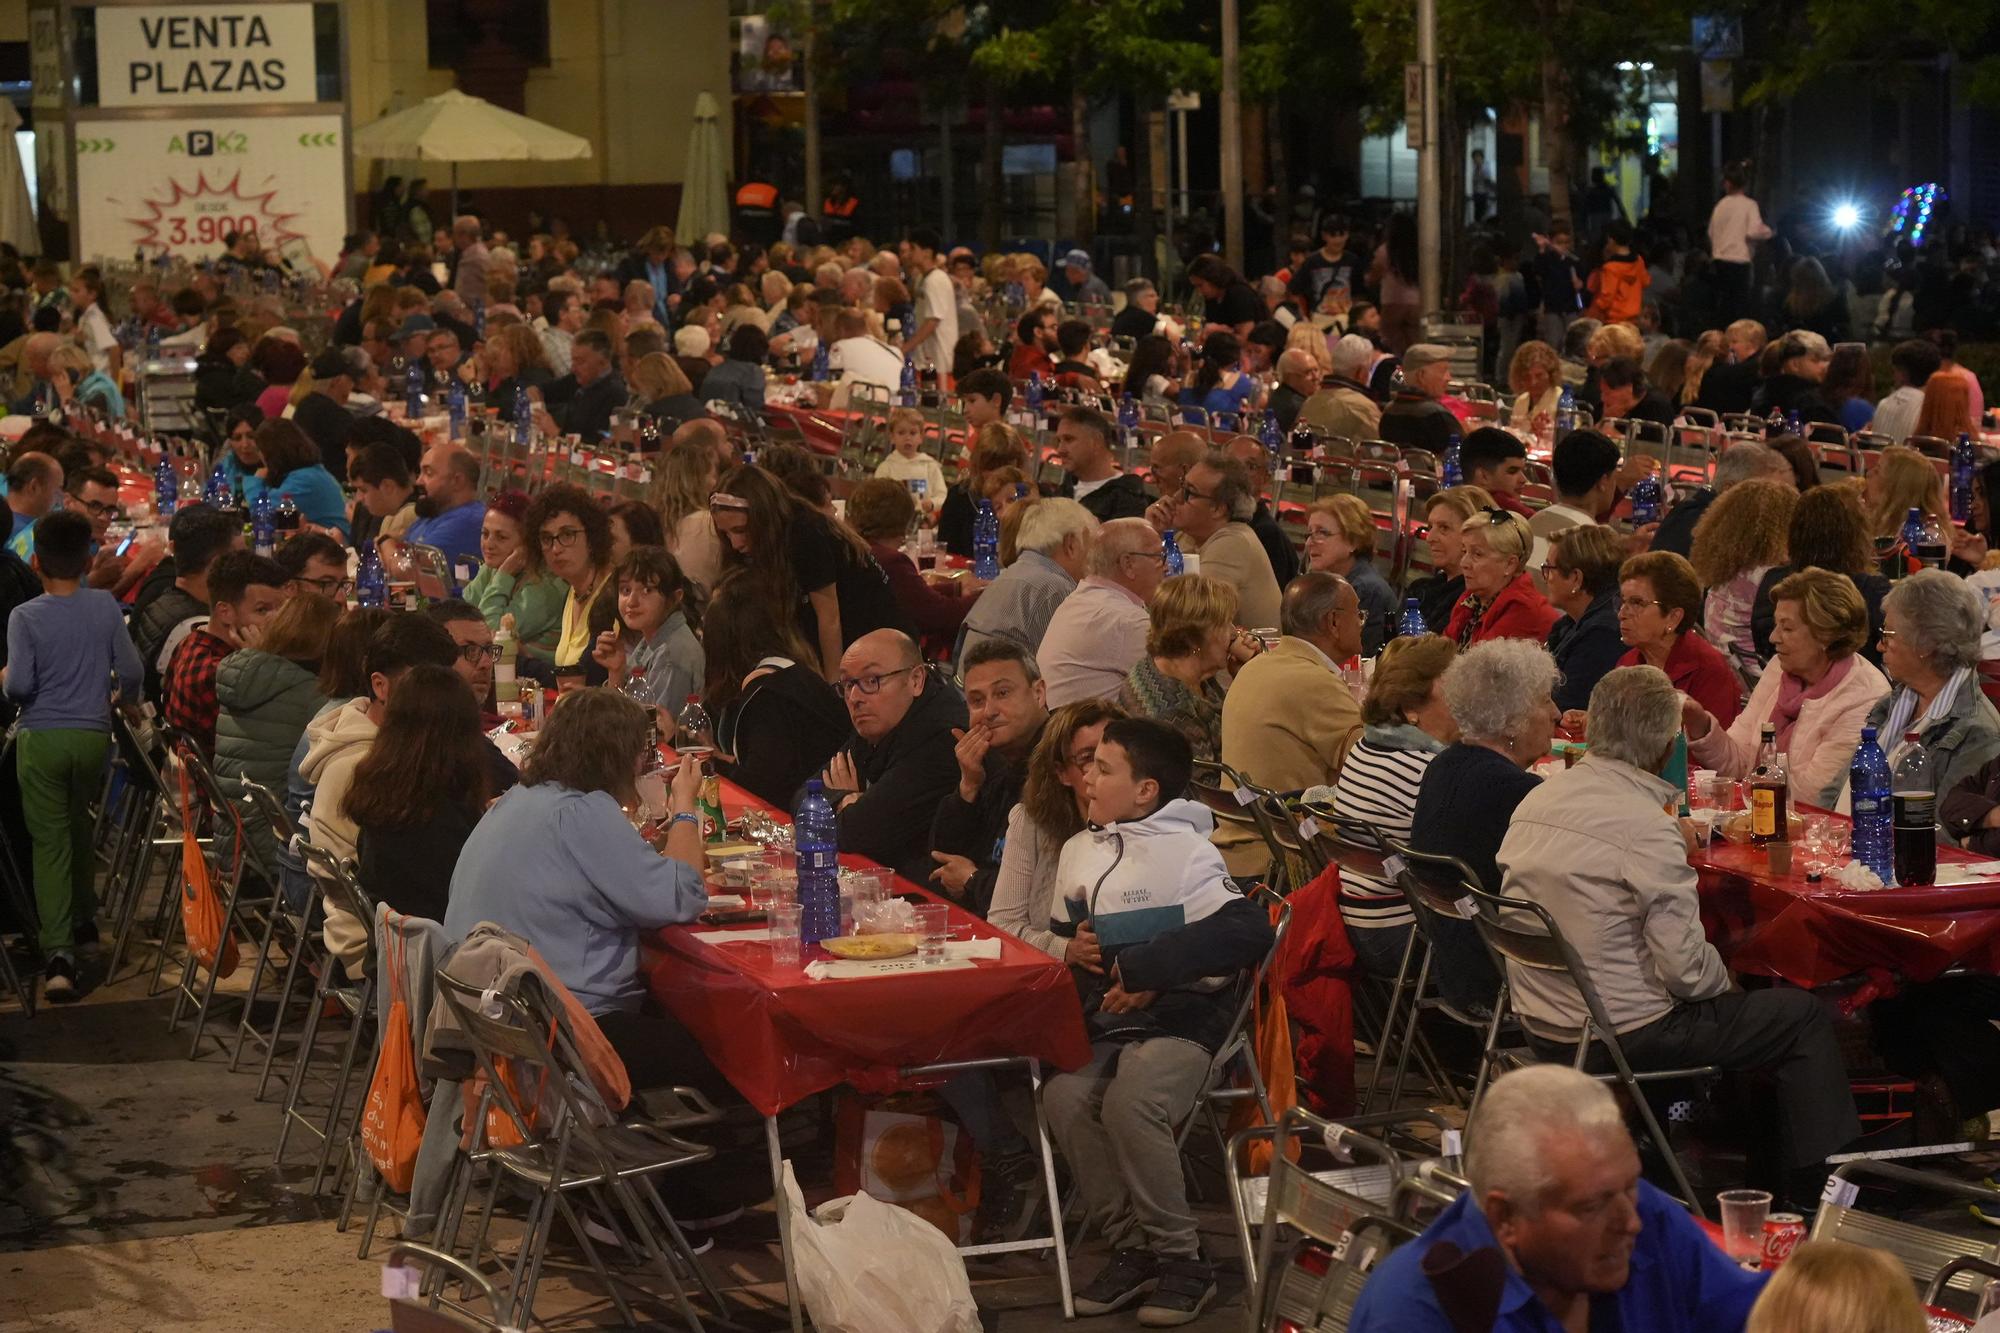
<point x="760" y="934"/>
<point x="716" y="900"/>
<point x="839" y="968"/>
<point x="1970" y="872"/>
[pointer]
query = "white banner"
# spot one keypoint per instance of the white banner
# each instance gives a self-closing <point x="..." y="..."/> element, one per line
<point x="183" y="184"/>
<point x="179" y="55"/>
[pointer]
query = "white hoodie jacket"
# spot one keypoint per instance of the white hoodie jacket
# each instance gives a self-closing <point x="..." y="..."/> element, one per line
<point x="336" y="742"/>
<point x="1136" y="880"/>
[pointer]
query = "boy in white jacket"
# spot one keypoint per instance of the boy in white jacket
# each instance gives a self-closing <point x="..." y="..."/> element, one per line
<point x="1146" y="886"/>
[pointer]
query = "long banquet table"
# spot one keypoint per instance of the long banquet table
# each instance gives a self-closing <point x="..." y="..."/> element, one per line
<point x="779" y="1035"/>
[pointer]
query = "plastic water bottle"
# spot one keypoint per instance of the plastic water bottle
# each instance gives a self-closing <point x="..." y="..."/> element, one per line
<point x="216" y="493"/>
<point x="1171" y="549"/>
<point x="1453" y="473"/>
<point x="816" y="836"/>
<point x="263" y="533"/>
<point x="1915" y="813"/>
<point x="907" y="386"/>
<point x="1961" y="479"/>
<point x="153" y="342"/>
<point x="1032" y="395"/>
<point x="524" y="417"/>
<point x="693" y="728"/>
<point x="371" y="585"/>
<point x="455" y="404"/>
<point x="1565" y="413"/>
<point x="1794" y="423"/>
<point x="166" y="486"/>
<point x="1412" y="624"/>
<point x="822" y="368"/>
<point x="1269" y="434"/>
<point x="986" y="542"/>
<point x="413" y="390"/>
<point x="286" y="517"/>
<point x="1868" y="796"/>
<point x="1646" y="499"/>
<point x="1774" y="425"/>
<point x="1128" y="419"/>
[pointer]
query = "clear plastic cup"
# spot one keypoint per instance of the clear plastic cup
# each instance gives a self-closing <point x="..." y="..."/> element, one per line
<point x="1743" y="1214"/>
<point x="786" y="919"/>
<point x="933" y="928"/>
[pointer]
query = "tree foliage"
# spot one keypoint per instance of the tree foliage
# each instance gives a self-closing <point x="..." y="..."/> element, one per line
<point x="1795" y="42"/>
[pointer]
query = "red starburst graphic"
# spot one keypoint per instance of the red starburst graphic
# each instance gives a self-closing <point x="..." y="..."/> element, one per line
<point x="273" y="226"/>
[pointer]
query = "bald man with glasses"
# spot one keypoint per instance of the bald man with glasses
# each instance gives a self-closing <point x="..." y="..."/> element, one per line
<point x="901" y="759"/>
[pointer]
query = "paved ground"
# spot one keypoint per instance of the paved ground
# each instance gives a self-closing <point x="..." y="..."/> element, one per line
<point x="138" y="1190"/>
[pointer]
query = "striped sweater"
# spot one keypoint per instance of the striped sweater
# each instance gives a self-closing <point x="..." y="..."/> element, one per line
<point x="1377" y="785"/>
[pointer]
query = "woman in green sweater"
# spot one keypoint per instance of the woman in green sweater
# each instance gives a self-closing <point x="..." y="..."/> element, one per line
<point x="502" y="587"/>
<point x="266" y="692"/>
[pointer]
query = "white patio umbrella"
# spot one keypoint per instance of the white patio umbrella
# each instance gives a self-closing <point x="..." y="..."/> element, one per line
<point x="454" y="127"/>
<point x="705" y="178"/>
<point x="17" y="211"/>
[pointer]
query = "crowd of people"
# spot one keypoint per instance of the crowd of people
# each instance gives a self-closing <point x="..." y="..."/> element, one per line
<point x="1024" y="745"/>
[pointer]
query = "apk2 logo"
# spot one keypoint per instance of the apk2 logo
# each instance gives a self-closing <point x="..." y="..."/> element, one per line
<point x="208" y="143"/>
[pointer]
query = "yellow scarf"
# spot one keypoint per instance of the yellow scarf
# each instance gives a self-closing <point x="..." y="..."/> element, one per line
<point x="574" y="645"/>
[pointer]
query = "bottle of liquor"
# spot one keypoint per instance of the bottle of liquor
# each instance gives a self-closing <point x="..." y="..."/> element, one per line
<point x="1769" y="790"/>
<point x="1915" y="813"/>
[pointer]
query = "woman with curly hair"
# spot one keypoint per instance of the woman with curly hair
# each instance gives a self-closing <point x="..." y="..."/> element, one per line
<point x="1535" y="376"/>
<point x="568" y="539"/>
<point x="1739" y="540"/>
<point x="1050" y="812"/>
<point x="1828" y="532"/>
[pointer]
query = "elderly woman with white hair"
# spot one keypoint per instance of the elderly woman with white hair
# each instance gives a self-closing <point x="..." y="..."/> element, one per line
<point x="1499" y="698"/>
<point x="1054" y="542"/>
<point x="1931" y="623"/>
<point x="1556" y="1188"/>
<point x="1803" y="358"/>
<point x="1597" y="847"/>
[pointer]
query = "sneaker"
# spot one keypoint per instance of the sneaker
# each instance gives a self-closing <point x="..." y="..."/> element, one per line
<point x="1185" y="1288"/>
<point x="59" y="981"/>
<point x="1009" y="1196"/>
<point x="1130" y="1275"/>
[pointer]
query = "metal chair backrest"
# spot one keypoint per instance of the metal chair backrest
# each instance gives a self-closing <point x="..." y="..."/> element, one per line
<point x="1924" y="1252"/>
<point x="187" y="752"/>
<point x="141" y="756"/>
<point x="1240" y="1038"/>
<point x="333" y="877"/>
<point x="1433" y="885"/>
<point x="1216" y="785"/>
<point x="269" y="809"/>
<point x="1287" y="835"/>
<point x="1352" y="844"/>
<point x="1523" y="934"/>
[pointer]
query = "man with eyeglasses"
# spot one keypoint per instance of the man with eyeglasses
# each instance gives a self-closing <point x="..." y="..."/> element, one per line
<point x="902" y="759"/>
<point x="476" y="649"/>
<point x="93" y="492"/>
<point x="1099" y="631"/>
<point x="316" y="563"/>
<point x="1212" y="517"/>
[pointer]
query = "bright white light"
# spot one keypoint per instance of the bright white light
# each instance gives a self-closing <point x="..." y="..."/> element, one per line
<point x="1846" y="217"/>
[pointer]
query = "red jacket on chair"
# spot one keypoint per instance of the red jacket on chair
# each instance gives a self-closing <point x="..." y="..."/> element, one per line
<point x="1313" y="972"/>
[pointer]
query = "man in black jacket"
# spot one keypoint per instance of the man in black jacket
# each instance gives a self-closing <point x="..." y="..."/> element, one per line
<point x="1006" y="707"/>
<point x="581" y="402"/>
<point x="901" y="759"/>
<point x="1084" y="438"/>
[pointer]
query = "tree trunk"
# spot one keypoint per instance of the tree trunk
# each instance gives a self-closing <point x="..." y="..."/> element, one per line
<point x="1086" y="164"/>
<point x="1281" y="180"/>
<point x="992" y="183"/>
<point x="1144" y="109"/>
<point x="1451" y="173"/>
<point x="1556" y="146"/>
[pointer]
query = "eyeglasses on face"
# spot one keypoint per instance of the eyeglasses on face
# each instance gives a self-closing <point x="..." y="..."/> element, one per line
<point x="560" y="538"/>
<point x="98" y="508"/>
<point x="477" y="654"/>
<point x="333" y="585"/>
<point x="1634" y="604"/>
<point x="1190" y="493"/>
<point x="846" y="685"/>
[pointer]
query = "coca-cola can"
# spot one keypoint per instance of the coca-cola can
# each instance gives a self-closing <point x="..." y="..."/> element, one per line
<point x="1782" y="1234"/>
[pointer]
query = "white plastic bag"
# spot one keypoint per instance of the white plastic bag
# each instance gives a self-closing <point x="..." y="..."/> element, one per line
<point x="865" y="1266"/>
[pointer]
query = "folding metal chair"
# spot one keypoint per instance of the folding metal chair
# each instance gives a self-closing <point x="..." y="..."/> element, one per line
<point x="1218" y="1090"/>
<point x="1522" y="934"/>
<point x="354" y="999"/>
<point x="301" y="930"/>
<point x="149" y="818"/>
<point x="15" y="882"/>
<point x="570" y="1146"/>
<point x="239" y="915"/>
<point x="1937" y="1260"/>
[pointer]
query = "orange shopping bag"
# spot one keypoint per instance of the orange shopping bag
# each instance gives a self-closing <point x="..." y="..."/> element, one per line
<point x="1271" y="1047"/>
<point x="208" y="935"/>
<point x="392" y="1118"/>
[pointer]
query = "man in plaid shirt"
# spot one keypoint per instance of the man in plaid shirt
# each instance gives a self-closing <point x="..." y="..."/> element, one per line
<point x="244" y="589"/>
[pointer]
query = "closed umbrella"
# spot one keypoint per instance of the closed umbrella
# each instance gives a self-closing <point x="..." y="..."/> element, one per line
<point x="17" y="211"/>
<point x="705" y="180"/>
<point x="455" y="127"/>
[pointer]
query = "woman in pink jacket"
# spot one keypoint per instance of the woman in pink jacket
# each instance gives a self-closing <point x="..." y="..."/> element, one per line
<point x="1818" y="700"/>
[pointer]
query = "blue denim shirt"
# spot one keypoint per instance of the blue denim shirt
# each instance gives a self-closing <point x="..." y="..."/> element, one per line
<point x="1680" y="1281"/>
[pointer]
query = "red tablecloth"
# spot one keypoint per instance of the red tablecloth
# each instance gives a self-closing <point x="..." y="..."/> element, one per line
<point x="822" y="426"/>
<point x="1814" y="934"/>
<point x="779" y="1036"/>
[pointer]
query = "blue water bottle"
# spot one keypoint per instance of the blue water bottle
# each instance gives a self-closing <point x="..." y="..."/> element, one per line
<point x="263" y="532"/>
<point x="1453" y="473"/>
<point x="906" y="393"/>
<point x="816" y="838"/>
<point x="1128" y="417"/>
<point x="1412" y="623"/>
<point x="413" y="390"/>
<point x="1565" y="413"/>
<point x="524" y="417"/>
<point x="1171" y="549"/>
<point x="1646" y="499"/>
<point x="153" y="342"/>
<point x="166" y="486"/>
<point x="1032" y="395"/>
<point x="1961" y="479"/>
<point x="986" y="542"/>
<point x="1869" y="797"/>
<point x="371" y="585"/>
<point x="455" y="404"/>
<point x="1268" y="433"/>
<point x="216" y="493"/>
<point x="822" y="364"/>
